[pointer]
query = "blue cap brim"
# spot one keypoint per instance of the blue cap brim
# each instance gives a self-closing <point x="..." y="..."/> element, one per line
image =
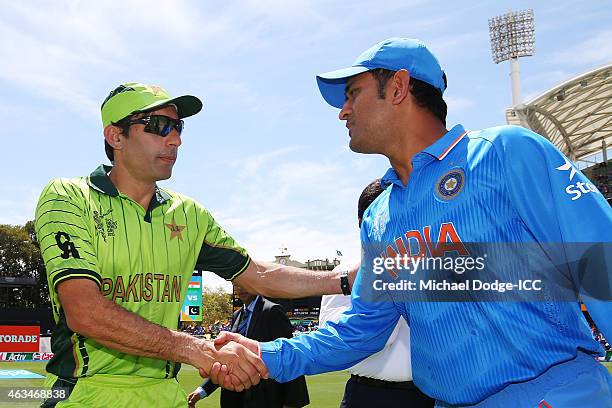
<point x="333" y="84"/>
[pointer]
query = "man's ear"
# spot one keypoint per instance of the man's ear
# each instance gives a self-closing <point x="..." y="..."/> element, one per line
<point x="114" y="136"/>
<point x="399" y="86"/>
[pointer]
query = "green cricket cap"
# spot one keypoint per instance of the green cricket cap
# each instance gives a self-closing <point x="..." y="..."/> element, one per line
<point x="134" y="97"/>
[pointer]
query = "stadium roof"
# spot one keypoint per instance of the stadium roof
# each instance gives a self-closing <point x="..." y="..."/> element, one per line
<point x="575" y="115"/>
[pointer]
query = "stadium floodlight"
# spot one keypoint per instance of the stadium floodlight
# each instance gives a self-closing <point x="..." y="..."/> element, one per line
<point x="513" y="36"/>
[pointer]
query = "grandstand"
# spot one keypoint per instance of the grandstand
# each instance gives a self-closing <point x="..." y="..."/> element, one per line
<point x="576" y="116"/>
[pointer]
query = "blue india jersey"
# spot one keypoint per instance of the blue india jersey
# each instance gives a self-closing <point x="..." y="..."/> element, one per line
<point x="512" y="192"/>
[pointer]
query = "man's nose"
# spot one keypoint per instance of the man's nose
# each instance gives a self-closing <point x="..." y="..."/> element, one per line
<point x="346" y="110"/>
<point x="174" y="138"/>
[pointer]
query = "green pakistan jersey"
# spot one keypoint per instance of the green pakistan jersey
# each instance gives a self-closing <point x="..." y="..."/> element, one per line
<point x="141" y="259"/>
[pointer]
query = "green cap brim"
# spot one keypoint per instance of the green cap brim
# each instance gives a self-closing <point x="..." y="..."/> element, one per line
<point x="186" y="105"/>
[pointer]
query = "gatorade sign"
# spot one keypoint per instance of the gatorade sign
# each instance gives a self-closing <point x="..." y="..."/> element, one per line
<point x="22" y="339"/>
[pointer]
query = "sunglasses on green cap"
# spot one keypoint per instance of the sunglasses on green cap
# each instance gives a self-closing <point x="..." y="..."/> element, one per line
<point x="157" y="124"/>
<point x="134" y="97"/>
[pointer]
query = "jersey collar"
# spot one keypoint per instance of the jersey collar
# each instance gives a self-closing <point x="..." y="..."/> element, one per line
<point x="438" y="150"/>
<point x="99" y="181"/>
<point x="442" y="147"/>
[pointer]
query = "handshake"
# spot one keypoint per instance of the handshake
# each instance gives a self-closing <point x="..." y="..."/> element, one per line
<point x="236" y="363"/>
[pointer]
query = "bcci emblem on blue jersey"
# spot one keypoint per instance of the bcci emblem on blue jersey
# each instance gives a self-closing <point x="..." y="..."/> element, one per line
<point x="450" y="184"/>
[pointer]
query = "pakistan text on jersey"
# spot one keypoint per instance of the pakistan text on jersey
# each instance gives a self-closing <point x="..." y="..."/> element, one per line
<point x="143" y="287"/>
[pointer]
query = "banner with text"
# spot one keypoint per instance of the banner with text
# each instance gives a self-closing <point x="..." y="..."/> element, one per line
<point x="19" y="338"/>
<point x="192" y="306"/>
<point x="26" y="356"/>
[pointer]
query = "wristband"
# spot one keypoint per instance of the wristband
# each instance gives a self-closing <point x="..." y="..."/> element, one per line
<point x="344" y="283"/>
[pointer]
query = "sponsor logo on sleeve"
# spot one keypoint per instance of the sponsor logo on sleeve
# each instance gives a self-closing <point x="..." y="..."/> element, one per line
<point x="66" y="245"/>
<point x="578" y="189"/>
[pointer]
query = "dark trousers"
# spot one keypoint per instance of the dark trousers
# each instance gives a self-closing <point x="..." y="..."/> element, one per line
<point x="363" y="394"/>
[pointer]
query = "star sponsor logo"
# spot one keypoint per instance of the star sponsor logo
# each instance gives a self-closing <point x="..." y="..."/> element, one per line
<point x="578" y="189"/>
<point x="176" y="230"/>
<point x="567" y="166"/>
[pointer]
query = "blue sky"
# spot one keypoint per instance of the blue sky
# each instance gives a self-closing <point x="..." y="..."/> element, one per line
<point x="267" y="156"/>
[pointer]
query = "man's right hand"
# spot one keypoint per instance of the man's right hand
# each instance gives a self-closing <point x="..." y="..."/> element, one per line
<point x="225" y="337"/>
<point x="220" y="373"/>
<point x="241" y="365"/>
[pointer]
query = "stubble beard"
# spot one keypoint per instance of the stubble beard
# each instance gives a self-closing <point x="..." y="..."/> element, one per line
<point x="359" y="144"/>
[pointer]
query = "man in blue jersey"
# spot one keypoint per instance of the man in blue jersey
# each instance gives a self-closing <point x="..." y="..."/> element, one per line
<point x="542" y="235"/>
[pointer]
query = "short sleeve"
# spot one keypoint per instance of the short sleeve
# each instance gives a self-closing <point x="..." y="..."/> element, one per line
<point x="220" y="253"/>
<point x="62" y="232"/>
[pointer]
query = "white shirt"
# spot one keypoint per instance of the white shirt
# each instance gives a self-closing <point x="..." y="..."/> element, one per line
<point x="392" y="363"/>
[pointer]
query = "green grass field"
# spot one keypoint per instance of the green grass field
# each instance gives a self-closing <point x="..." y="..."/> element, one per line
<point x="325" y="389"/>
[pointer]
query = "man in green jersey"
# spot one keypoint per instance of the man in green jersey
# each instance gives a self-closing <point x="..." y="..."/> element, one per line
<point x="119" y="253"/>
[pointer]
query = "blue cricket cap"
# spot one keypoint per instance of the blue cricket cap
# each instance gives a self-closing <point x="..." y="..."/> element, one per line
<point x="392" y="54"/>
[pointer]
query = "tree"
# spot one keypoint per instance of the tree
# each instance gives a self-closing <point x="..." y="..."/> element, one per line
<point x="216" y="306"/>
<point x="20" y="258"/>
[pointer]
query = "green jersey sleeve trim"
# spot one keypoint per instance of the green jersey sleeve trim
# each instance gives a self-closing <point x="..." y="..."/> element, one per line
<point x="242" y="270"/>
<point x="76" y="274"/>
<point x="228" y="263"/>
<point x="220" y="253"/>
